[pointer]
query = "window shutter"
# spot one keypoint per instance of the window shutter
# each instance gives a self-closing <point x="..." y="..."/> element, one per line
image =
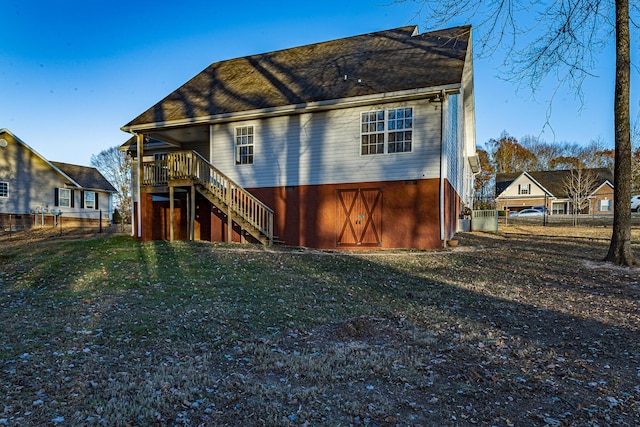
<point x="96" y="201"/>
<point x="82" y="199"/>
<point x="56" y="201"/>
<point x="73" y="198"/>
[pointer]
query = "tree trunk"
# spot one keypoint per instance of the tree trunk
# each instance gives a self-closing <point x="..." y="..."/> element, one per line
<point x="620" y="247"/>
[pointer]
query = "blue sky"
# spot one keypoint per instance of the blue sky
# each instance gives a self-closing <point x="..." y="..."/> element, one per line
<point x="73" y="72"/>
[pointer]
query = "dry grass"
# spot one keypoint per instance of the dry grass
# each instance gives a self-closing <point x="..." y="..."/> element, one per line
<point x="517" y="328"/>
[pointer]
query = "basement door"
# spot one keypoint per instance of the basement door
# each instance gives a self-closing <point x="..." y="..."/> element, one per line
<point x="359" y="221"/>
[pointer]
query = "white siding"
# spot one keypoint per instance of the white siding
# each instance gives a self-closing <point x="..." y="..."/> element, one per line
<point x="512" y="190"/>
<point x="33" y="182"/>
<point x="324" y="148"/>
<point x="454" y="146"/>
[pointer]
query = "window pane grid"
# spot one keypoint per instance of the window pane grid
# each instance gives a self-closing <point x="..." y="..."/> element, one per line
<point x="372" y="128"/>
<point x="4" y="190"/>
<point x="396" y="129"/>
<point x="89" y="200"/>
<point x="244" y="145"/>
<point x="64" y="197"/>
<point x="400" y="142"/>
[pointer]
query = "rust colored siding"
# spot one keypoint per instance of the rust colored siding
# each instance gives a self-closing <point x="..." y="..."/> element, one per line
<point x="392" y="214"/>
<point x="311" y="215"/>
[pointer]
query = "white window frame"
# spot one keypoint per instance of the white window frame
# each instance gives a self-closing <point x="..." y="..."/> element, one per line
<point x="400" y="129"/>
<point x="4" y="190"/>
<point x="607" y="208"/>
<point x="244" y="144"/>
<point x="387" y="131"/>
<point x="524" y="189"/>
<point x="66" y="191"/>
<point x="372" y="135"/>
<point x="92" y="199"/>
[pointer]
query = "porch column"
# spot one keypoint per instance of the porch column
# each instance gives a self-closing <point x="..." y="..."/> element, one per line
<point x="139" y="156"/>
<point x="171" y="206"/>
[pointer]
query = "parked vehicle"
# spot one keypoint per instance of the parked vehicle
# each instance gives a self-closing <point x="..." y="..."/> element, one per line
<point x="542" y="209"/>
<point x="635" y="203"/>
<point x="528" y="212"/>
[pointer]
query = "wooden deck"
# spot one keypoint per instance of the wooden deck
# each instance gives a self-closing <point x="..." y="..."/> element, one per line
<point x="189" y="169"/>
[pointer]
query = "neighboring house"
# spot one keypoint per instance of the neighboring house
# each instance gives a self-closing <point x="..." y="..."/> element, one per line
<point x="523" y="190"/>
<point x="366" y="141"/>
<point x="35" y="191"/>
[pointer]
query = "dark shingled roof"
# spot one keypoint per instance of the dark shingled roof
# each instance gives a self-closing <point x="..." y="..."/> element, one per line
<point x="87" y="177"/>
<point x="552" y="181"/>
<point x="381" y="62"/>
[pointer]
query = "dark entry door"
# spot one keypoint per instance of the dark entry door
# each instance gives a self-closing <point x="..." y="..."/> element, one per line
<point x="359" y="217"/>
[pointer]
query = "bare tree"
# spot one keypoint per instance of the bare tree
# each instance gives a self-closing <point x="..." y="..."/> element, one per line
<point x="115" y="165"/>
<point x="544" y="152"/>
<point x="579" y="185"/>
<point x="564" y="42"/>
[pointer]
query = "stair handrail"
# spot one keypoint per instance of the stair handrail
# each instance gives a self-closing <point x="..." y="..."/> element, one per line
<point x="191" y="165"/>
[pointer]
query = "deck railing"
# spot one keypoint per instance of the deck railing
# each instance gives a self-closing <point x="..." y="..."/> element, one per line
<point x="189" y="165"/>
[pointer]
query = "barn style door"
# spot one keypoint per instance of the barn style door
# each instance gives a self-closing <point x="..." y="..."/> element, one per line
<point x="359" y="217"/>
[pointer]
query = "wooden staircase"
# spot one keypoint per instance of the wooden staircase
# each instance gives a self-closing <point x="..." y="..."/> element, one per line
<point x="187" y="168"/>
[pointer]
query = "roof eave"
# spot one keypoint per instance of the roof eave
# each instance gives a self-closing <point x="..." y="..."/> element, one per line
<point x="308" y="107"/>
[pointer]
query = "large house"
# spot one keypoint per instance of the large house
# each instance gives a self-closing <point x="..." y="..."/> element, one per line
<point x="35" y="191"/>
<point x="366" y="141"/>
<point x="522" y="190"/>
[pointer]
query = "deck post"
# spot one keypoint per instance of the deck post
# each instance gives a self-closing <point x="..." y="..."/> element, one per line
<point x="229" y="221"/>
<point x="188" y="203"/>
<point x="192" y="219"/>
<point x="171" y="206"/>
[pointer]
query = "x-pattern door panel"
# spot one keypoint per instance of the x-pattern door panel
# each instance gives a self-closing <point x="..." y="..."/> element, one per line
<point x="359" y="217"/>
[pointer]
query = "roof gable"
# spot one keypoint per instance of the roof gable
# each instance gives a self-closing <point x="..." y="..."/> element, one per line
<point x="551" y="182"/>
<point x="38" y="155"/>
<point x="79" y="176"/>
<point x="381" y="62"/>
<point x="86" y="177"/>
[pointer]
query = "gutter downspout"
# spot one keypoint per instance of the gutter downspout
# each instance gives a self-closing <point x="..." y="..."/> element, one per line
<point x="442" y="169"/>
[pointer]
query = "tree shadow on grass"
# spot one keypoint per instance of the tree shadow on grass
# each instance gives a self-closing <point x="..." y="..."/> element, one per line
<point x="514" y="331"/>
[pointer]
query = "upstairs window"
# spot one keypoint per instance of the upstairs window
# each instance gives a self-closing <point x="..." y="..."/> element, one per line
<point x="372" y="131"/>
<point x="4" y="190"/>
<point x="524" y="189"/>
<point x="244" y="145"/>
<point x="400" y="123"/>
<point x="386" y="131"/>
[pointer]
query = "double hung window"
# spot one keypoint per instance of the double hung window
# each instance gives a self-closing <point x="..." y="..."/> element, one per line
<point x="524" y="189"/>
<point x="4" y="190"/>
<point x="244" y="145"/>
<point x="605" y="205"/>
<point x="64" y="198"/>
<point x="386" y="131"/>
<point x="90" y="200"/>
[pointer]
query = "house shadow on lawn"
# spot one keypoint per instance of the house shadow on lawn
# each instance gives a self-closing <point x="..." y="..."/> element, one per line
<point x="515" y="329"/>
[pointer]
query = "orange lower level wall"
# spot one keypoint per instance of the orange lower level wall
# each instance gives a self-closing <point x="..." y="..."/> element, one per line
<point x="392" y="214"/>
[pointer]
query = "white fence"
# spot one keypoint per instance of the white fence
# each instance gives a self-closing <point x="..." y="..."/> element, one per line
<point x="484" y="220"/>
